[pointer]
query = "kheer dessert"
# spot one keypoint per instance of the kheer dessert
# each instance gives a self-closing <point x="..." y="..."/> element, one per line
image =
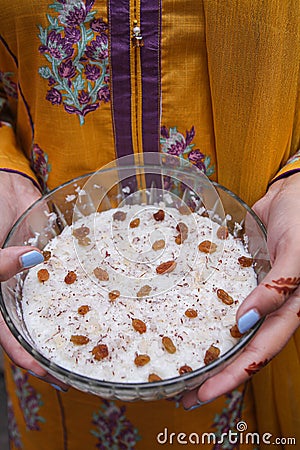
<point x="136" y="294"/>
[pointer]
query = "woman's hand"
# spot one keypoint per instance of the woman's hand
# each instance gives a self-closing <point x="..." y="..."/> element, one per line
<point x="17" y="194"/>
<point x="277" y="297"/>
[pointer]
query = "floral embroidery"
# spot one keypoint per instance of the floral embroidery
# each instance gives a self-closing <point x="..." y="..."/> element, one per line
<point x="113" y="430"/>
<point x="13" y="431"/>
<point x="40" y="166"/>
<point x="76" y="45"/>
<point x="174" y="143"/>
<point x="9" y="86"/>
<point x="29" y="400"/>
<point x="227" y="420"/>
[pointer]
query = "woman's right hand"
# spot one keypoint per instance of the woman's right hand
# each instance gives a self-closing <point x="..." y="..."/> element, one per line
<point x="17" y="194"/>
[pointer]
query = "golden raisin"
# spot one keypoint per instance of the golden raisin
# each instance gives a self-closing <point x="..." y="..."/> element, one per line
<point x="134" y="223"/>
<point x="43" y="275"/>
<point x="185" y="369"/>
<point x="166" y="267"/>
<point x="184" y="210"/>
<point x="168" y="344"/>
<point x="139" y="326"/>
<point x="78" y="339"/>
<point x="211" y="354"/>
<point x="71" y="277"/>
<point x="159" y="215"/>
<point x="207" y="247"/>
<point x="182" y="228"/>
<point x="101" y="274"/>
<point x="158" y="245"/>
<point x="113" y="295"/>
<point x="83" y="310"/>
<point x="119" y="215"/>
<point x="178" y="239"/>
<point x="222" y="232"/>
<point x="191" y="313"/>
<point x="81" y="232"/>
<point x="85" y="241"/>
<point x="235" y="332"/>
<point x="225" y="297"/>
<point x="153" y="377"/>
<point x="204" y="214"/>
<point x="141" y="360"/>
<point x="245" y="261"/>
<point x="47" y="255"/>
<point x="100" y="352"/>
<point x="144" y="291"/>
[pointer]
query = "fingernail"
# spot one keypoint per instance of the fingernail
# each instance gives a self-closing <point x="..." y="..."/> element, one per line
<point x="58" y="388"/>
<point x="198" y="405"/>
<point x="31" y="259"/>
<point x="34" y="374"/>
<point x="247" y="321"/>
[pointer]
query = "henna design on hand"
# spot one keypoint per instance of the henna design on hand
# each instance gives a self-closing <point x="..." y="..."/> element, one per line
<point x="285" y="286"/>
<point x="254" y="367"/>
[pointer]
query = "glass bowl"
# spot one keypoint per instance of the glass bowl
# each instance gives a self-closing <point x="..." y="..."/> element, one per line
<point x="139" y="179"/>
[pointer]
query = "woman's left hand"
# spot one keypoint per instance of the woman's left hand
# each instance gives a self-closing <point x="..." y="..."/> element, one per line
<point x="277" y="297"/>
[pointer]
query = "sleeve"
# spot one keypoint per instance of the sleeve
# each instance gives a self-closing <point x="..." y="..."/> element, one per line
<point x="292" y="166"/>
<point x="12" y="159"/>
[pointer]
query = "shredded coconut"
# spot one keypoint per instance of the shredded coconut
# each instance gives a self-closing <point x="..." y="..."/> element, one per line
<point x="51" y="309"/>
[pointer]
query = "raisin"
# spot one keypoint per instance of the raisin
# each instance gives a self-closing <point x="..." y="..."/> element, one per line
<point x="100" y="352"/>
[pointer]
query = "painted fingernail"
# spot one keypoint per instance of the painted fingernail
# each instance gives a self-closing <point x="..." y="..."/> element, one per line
<point x="247" y="321"/>
<point x="33" y="374"/>
<point x="198" y="405"/>
<point x="31" y="259"/>
<point x="58" y="388"/>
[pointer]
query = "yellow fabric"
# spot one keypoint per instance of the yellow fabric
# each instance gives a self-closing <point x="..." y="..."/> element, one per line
<point x="11" y="155"/>
<point x="71" y="419"/>
<point x="230" y="69"/>
<point x="288" y="168"/>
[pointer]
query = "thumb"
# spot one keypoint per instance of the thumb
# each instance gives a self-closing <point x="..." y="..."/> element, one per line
<point x="15" y="259"/>
<point x="282" y="280"/>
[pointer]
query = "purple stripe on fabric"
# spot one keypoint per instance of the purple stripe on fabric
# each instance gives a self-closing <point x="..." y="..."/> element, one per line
<point x="4" y="169"/>
<point x="285" y="175"/>
<point x="63" y="420"/>
<point x="119" y="26"/>
<point x="150" y="62"/>
<point x="28" y="112"/>
<point x="9" y="50"/>
<point x="150" y="66"/>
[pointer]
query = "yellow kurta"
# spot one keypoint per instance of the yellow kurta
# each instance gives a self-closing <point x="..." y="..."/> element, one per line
<point x="227" y="96"/>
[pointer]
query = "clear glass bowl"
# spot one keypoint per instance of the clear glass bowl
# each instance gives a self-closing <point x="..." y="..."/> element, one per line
<point x="149" y="178"/>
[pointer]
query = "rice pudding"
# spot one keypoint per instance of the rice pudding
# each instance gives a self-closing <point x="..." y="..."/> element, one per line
<point x="137" y="294"/>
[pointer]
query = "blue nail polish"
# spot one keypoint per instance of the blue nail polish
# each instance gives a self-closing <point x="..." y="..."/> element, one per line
<point x="247" y="321"/>
<point x="58" y="388"/>
<point x="35" y="375"/>
<point x="31" y="259"/>
<point x="198" y="405"/>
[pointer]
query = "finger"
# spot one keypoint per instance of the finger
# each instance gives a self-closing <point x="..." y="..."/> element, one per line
<point x="271" y="338"/>
<point x="57" y="384"/>
<point x="23" y="359"/>
<point x="15" y="259"/>
<point x="282" y="280"/>
<point x="16" y="352"/>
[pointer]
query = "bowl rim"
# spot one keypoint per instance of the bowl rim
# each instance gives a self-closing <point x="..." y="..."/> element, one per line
<point x="90" y="382"/>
